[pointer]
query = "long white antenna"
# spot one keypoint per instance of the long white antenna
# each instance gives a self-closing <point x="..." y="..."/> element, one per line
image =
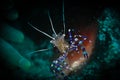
<point x="51" y="23"/>
<point x="37" y="51"/>
<point x="41" y="31"/>
<point x="63" y="17"/>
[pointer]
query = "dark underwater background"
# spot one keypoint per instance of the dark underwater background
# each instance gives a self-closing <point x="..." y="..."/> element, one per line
<point x="18" y="39"/>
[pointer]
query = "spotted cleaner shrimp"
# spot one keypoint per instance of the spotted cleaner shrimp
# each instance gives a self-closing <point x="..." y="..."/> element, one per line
<point x="61" y="67"/>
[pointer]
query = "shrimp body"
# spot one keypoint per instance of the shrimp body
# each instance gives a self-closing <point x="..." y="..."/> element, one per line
<point x="60" y="43"/>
